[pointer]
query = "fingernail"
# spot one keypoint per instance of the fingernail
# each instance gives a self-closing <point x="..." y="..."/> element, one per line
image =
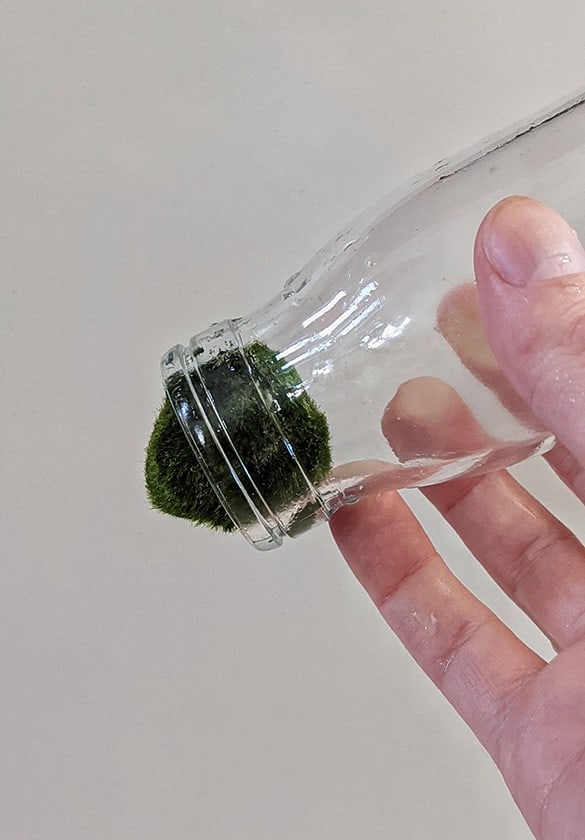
<point x="526" y="242"/>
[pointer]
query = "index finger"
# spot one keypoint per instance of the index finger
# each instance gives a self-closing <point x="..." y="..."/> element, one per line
<point x="474" y="659"/>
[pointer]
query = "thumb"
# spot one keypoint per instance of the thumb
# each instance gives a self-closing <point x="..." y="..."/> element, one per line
<point x="530" y="271"/>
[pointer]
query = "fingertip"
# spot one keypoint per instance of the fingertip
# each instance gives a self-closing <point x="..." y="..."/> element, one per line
<point x="500" y="215"/>
<point x="530" y="273"/>
<point x="427" y="418"/>
<point x="521" y="241"/>
<point x="351" y="522"/>
<point x="364" y="534"/>
<point x="505" y="254"/>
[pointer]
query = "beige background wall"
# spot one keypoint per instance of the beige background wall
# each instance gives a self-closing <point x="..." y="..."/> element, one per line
<point x="163" y="165"/>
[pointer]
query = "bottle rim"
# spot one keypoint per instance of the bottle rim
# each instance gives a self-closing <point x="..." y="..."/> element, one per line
<point x="200" y="417"/>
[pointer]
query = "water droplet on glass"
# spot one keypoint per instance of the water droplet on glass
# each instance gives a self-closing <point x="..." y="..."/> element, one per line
<point x="293" y="285"/>
<point x="291" y="280"/>
<point x="350" y="499"/>
<point x="445" y="663"/>
<point x="565" y="260"/>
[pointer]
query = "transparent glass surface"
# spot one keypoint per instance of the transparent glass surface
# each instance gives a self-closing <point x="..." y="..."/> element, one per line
<point x="383" y="330"/>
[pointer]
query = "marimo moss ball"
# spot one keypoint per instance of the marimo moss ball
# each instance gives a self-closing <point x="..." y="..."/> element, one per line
<point x="177" y="485"/>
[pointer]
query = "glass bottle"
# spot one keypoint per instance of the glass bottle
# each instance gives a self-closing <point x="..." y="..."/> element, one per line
<point x="382" y="331"/>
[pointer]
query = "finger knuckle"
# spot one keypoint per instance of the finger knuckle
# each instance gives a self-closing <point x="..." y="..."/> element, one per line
<point x="571" y="334"/>
<point x="557" y="354"/>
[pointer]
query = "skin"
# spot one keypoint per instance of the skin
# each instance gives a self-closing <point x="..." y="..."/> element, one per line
<point x="529" y="714"/>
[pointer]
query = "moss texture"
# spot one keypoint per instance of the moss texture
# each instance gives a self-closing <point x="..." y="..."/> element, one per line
<point x="176" y="484"/>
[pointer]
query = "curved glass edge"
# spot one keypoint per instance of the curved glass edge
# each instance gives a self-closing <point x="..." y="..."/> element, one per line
<point x="442" y="169"/>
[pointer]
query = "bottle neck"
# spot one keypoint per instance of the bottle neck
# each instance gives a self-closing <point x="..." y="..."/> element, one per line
<point x="229" y="412"/>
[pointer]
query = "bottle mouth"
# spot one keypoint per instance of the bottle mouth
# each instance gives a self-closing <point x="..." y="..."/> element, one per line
<point x="201" y="382"/>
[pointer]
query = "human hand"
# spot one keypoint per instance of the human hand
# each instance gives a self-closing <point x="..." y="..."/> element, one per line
<point x="529" y="714"/>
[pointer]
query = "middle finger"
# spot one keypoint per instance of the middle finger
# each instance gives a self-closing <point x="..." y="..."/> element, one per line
<point x="536" y="560"/>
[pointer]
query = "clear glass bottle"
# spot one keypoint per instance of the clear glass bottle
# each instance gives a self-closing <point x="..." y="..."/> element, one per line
<point x="382" y="328"/>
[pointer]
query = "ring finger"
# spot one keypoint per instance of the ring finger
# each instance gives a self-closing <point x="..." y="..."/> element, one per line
<point x="536" y="560"/>
<point x="531" y="555"/>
